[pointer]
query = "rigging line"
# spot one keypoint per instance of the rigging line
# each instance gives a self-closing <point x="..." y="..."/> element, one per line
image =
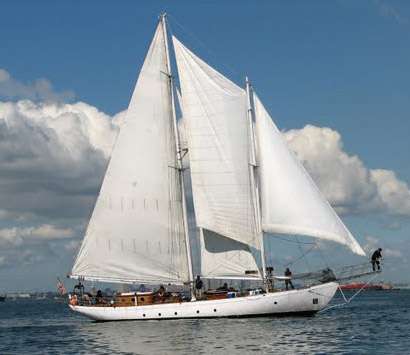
<point x="344" y="297"/>
<point x="291" y="241"/>
<point x="207" y="49"/>
<point x="304" y="255"/>
<point x="300" y="257"/>
<point x="325" y="260"/>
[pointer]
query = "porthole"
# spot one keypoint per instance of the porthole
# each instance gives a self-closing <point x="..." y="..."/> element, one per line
<point x="142" y="299"/>
<point x="143" y="315"/>
<point x="176" y="313"/>
<point x="123" y="300"/>
<point x="197" y="311"/>
<point x="275" y="302"/>
<point x="214" y="310"/>
<point x="133" y="299"/>
<point x="159" y="314"/>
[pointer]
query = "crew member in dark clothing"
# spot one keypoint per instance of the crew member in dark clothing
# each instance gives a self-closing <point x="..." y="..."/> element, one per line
<point x="288" y="273"/>
<point x="198" y="287"/>
<point x="376" y="257"/>
<point x="99" y="298"/>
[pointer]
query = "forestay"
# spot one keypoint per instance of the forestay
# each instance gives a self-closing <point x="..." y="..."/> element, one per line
<point x="225" y="258"/>
<point x="136" y="231"/>
<point x="291" y="202"/>
<point x="214" y="111"/>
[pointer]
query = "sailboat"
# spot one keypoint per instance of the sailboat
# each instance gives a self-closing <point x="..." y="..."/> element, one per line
<point x="245" y="182"/>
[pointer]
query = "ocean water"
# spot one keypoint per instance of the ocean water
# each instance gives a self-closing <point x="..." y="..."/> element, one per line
<point x="376" y="322"/>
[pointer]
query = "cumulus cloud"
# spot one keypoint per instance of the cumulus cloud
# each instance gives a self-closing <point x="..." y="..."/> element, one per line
<point x="40" y="90"/>
<point x="53" y="157"/>
<point x="346" y="182"/>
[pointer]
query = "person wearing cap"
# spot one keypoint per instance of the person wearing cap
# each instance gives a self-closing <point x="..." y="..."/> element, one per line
<point x="377" y="255"/>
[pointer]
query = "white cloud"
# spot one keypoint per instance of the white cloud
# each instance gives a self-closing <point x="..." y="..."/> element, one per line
<point x="45" y="232"/>
<point x="53" y="157"/>
<point x="40" y="90"/>
<point x="72" y="246"/>
<point x="390" y="12"/>
<point x="346" y="182"/>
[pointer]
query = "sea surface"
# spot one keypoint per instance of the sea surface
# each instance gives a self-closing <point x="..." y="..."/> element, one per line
<point x="375" y="322"/>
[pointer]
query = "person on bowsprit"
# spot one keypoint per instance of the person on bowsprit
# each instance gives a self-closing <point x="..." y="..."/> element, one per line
<point x="376" y="257"/>
<point x="288" y="273"/>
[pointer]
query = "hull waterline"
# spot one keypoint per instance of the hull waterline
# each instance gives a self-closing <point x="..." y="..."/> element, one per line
<point x="295" y="302"/>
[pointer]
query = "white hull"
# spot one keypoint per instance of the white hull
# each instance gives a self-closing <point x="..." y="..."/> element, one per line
<point x="303" y="301"/>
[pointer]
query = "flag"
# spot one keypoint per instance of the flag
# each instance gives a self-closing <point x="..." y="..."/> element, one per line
<point x="61" y="287"/>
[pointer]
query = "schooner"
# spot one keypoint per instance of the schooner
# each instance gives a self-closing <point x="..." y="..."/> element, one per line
<point x="245" y="182"/>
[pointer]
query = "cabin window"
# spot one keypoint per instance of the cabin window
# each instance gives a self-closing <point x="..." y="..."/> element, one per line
<point x="197" y="311"/>
<point x="176" y="313"/>
<point x="123" y="300"/>
<point x="214" y="310"/>
<point x="143" y="315"/>
<point x="133" y="299"/>
<point x="142" y="299"/>
<point x="315" y="301"/>
<point x="275" y="302"/>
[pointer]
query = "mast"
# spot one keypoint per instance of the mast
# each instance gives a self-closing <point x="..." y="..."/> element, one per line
<point x="254" y="185"/>
<point x="179" y="156"/>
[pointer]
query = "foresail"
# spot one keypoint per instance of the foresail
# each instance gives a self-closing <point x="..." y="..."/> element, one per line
<point x="214" y="111"/>
<point x="224" y="258"/>
<point x="291" y="202"/>
<point x="136" y="231"/>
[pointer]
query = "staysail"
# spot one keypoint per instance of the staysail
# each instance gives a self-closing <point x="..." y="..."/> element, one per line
<point x="225" y="258"/>
<point x="136" y="232"/>
<point x="291" y="202"/>
<point x="214" y="111"/>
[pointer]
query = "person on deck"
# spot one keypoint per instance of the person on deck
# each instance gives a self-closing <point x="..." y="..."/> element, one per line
<point x="198" y="287"/>
<point x="288" y="273"/>
<point x="87" y="299"/>
<point x="79" y="287"/>
<point x="224" y="287"/>
<point x="376" y="257"/>
<point x="99" y="298"/>
<point x="161" y="291"/>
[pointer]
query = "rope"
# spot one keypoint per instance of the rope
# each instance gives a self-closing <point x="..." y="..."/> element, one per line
<point x="207" y="49"/>
<point x="346" y="301"/>
<point x="300" y="257"/>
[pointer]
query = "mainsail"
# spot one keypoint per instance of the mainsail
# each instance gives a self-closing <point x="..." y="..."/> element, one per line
<point x="136" y="232"/>
<point x="291" y="202"/>
<point x="214" y="111"/>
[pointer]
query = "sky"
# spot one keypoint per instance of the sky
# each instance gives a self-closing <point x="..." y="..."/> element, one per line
<point x="334" y="75"/>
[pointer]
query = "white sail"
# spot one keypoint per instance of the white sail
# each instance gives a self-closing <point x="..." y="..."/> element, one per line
<point x="136" y="231"/>
<point x="291" y="202"/>
<point x="214" y="111"/>
<point x="225" y="258"/>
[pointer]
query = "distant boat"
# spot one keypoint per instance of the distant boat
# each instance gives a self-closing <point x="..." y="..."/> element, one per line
<point x="370" y="287"/>
<point x="246" y="182"/>
<point x="2" y="298"/>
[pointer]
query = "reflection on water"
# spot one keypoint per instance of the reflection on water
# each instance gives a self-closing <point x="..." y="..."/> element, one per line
<point x="378" y="322"/>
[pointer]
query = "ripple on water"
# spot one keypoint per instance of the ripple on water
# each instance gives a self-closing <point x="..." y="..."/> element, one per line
<point x="377" y="323"/>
